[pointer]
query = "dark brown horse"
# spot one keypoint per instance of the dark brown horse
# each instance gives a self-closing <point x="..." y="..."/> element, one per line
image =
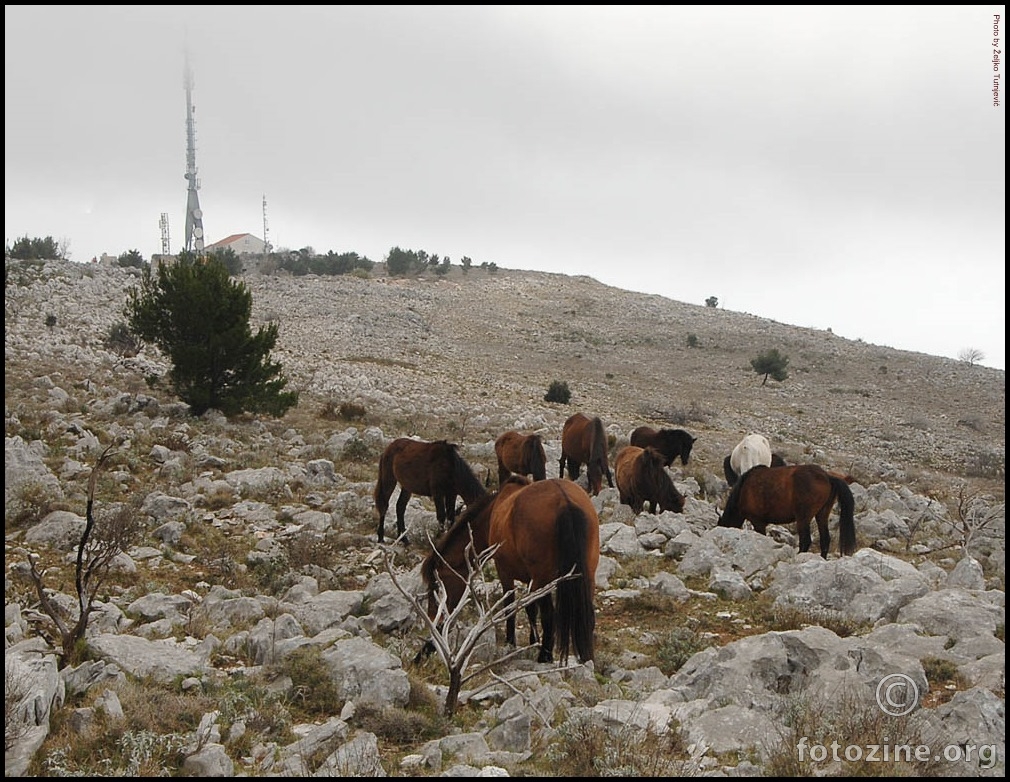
<point x="432" y="469"/>
<point x="793" y="494"/>
<point x="583" y="441"/>
<point x="543" y="529"/>
<point x="641" y="477"/>
<point x="520" y="454"/>
<point x="669" y="442"/>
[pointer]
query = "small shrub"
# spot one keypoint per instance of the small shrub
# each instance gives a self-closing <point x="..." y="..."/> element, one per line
<point x="796" y="618"/>
<point x="692" y="340"/>
<point x="50" y="321"/>
<point x="559" y="392"/>
<point x="120" y="340"/>
<point x="586" y="748"/>
<point x="314" y="693"/>
<point x="352" y="411"/>
<point x="30" y="503"/>
<point x="677" y="647"/>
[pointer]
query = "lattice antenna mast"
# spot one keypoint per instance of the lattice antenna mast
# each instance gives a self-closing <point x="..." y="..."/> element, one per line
<point x="194" y="215"/>
<point x="266" y="232"/>
<point x="166" y="244"/>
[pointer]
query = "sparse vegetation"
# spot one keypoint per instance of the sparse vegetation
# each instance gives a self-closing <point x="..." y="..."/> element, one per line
<point x="970" y="356"/>
<point x="771" y="364"/>
<point x="199" y="318"/>
<point x="660" y="630"/>
<point x="559" y="392"/>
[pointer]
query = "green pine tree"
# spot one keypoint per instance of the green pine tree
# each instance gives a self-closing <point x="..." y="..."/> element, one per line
<point x="771" y="363"/>
<point x="199" y="317"/>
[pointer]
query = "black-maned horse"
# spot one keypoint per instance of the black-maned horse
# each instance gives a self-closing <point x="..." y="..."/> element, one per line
<point x="543" y="530"/>
<point x="583" y="441"/>
<point x="794" y="494"/>
<point x="669" y="442"/>
<point x="520" y="454"/>
<point x="432" y="469"/>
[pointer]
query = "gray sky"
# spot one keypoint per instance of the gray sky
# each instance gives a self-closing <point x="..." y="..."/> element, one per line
<point x="835" y="167"/>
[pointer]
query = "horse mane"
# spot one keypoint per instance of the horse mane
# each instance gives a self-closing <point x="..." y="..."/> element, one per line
<point x="533" y="454"/>
<point x="733" y="500"/>
<point x="469" y="485"/>
<point x="462" y="522"/>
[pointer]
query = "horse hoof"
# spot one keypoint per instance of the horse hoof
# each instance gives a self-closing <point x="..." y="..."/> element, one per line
<point x="545" y="657"/>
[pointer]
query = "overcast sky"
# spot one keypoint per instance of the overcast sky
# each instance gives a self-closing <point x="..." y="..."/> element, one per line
<point x="824" y="166"/>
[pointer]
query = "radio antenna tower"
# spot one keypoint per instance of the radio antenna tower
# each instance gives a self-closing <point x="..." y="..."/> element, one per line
<point x="166" y="244"/>
<point x="194" y="215"/>
<point x="266" y="232"/>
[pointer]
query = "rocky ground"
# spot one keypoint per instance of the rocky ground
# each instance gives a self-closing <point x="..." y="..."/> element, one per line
<point x="466" y="357"/>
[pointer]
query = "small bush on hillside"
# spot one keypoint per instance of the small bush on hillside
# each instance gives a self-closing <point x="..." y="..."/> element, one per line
<point x="586" y="748"/>
<point x="559" y="392"/>
<point x="314" y="692"/>
<point x="29" y="504"/>
<point x="771" y="364"/>
<point x="677" y="647"/>
<point x="352" y="411"/>
<point x="120" y="340"/>
<point x="692" y="340"/>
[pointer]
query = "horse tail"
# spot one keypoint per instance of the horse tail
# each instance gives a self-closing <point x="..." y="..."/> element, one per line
<point x="731" y="476"/>
<point x="386" y="480"/>
<point x="575" y="617"/>
<point x="536" y="459"/>
<point x="846" y="516"/>
<point x="469" y="485"/>
<point x="600" y="451"/>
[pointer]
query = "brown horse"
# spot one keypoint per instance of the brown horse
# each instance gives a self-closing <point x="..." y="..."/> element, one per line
<point x="432" y="469"/>
<point x="542" y="530"/>
<point x="520" y="454"/>
<point x="793" y="494"/>
<point x="583" y="441"/>
<point x="641" y="477"/>
<point x="669" y="442"/>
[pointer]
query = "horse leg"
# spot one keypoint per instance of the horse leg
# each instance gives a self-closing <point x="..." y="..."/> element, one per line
<point x="546" y="605"/>
<point x="531" y="614"/>
<point x="441" y="509"/>
<point x="561" y="466"/>
<point x="401" y="509"/>
<point x="381" y="506"/>
<point x="823" y="533"/>
<point x="803" y="528"/>
<point x="508" y="589"/>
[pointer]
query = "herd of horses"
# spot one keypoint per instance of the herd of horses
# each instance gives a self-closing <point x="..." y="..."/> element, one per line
<point x="545" y="530"/>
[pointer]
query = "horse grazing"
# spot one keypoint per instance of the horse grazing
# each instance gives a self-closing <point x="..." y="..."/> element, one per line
<point x="543" y="530"/>
<point x="669" y="442"/>
<point x="520" y="454"/>
<point x="641" y="477"/>
<point x="583" y="441"/>
<point x="751" y="450"/>
<point x="795" y="493"/>
<point x="432" y="469"/>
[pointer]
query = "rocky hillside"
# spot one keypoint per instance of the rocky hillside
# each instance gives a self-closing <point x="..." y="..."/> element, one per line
<point x="258" y="544"/>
